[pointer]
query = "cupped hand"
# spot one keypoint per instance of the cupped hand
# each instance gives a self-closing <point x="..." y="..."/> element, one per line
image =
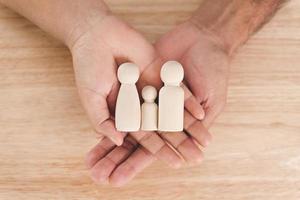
<point x="206" y="64"/>
<point x="97" y="52"/>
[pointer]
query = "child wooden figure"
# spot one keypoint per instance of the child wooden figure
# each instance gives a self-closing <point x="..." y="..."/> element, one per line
<point x="149" y="109"/>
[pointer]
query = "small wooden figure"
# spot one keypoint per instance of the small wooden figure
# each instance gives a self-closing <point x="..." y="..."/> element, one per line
<point x="171" y="98"/>
<point x="128" y="110"/>
<point x="149" y="109"/>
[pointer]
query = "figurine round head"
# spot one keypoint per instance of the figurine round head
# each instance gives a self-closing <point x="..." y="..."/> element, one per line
<point x="128" y="73"/>
<point x="149" y="93"/>
<point x="172" y="73"/>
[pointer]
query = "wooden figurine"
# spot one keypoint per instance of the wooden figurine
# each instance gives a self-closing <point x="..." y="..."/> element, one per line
<point x="171" y="98"/>
<point x="149" y="109"/>
<point x="128" y="110"/>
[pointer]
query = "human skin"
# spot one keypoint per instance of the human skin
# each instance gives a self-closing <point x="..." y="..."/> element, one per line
<point x="99" y="42"/>
<point x="205" y="45"/>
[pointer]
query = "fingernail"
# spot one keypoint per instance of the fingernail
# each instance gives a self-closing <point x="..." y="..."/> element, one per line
<point x="207" y="141"/>
<point x="118" y="142"/>
<point x="201" y="115"/>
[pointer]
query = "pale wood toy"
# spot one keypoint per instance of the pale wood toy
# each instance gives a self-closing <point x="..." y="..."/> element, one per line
<point x="128" y="110"/>
<point x="149" y="109"/>
<point x="171" y="98"/>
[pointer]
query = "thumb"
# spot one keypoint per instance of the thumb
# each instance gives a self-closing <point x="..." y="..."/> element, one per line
<point x="97" y="110"/>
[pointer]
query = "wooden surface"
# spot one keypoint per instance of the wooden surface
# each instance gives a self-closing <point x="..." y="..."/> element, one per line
<point x="44" y="132"/>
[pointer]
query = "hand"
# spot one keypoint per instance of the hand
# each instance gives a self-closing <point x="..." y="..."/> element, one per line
<point x="206" y="64"/>
<point x="108" y="163"/>
<point x="96" y="55"/>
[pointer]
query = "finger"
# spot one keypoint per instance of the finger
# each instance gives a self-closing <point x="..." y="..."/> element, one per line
<point x="157" y="146"/>
<point x="103" y="168"/>
<point x="139" y="160"/>
<point x="97" y="109"/>
<point x="192" y="105"/>
<point x="196" y="130"/>
<point x="98" y="152"/>
<point x="212" y="113"/>
<point x="108" y="129"/>
<point x="185" y="146"/>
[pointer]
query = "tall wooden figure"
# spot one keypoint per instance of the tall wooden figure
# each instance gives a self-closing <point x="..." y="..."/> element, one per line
<point x="149" y="109"/>
<point x="171" y="98"/>
<point x="128" y="110"/>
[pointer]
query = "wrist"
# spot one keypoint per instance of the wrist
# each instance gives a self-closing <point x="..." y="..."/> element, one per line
<point x="221" y="21"/>
<point x="64" y="19"/>
<point x="211" y="37"/>
<point x="234" y="21"/>
<point x="84" y="22"/>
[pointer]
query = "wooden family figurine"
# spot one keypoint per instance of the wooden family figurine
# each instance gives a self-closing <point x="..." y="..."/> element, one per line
<point x="171" y="98"/>
<point x="128" y="110"/>
<point x="149" y="109"/>
<point x="167" y="117"/>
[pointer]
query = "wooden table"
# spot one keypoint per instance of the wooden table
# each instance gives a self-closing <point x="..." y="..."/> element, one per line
<point x="44" y="132"/>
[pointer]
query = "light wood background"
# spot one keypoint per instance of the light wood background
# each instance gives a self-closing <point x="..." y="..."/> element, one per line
<point x="44" y="133"/>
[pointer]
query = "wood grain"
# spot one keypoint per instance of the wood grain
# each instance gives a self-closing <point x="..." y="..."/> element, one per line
<point x="44" y="132"/>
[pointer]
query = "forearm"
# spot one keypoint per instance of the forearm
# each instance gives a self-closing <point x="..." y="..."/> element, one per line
<point x="64" y="19"/>
<point x="234" y="21"/>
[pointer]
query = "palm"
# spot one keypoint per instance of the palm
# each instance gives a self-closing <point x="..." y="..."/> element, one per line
<point x="206" y="66"/>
